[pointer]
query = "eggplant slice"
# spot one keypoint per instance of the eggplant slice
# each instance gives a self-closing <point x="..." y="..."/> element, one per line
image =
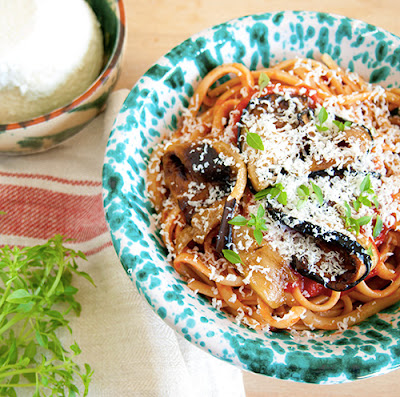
<point x="191" y="170"/>
<point x="197" y="177"/>
<point x="289" y="114"/>
<point x="355" y="261"/>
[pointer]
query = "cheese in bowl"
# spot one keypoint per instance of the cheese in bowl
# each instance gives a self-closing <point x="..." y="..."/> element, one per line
<point x="51" y="51"/>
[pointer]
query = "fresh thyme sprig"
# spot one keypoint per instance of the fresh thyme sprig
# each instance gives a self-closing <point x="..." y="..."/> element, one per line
<point x="36" y="296"/>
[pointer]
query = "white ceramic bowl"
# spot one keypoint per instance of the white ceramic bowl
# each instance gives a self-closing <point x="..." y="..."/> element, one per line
<point x="46" y="131"/>
<point x="154" y="107"/>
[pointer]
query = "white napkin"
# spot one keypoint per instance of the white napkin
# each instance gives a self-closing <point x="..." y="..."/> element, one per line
<point x="130" y="349"/>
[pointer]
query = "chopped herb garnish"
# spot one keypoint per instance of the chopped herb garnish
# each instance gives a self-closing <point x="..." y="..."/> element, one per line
<point x="273" y="191"/>
<point x="263" y="80"/>
<point x="231" y="256"/>
<point x="257" y="222"/>
<point x="322" y="117"/>
<point x="254" y="140"/>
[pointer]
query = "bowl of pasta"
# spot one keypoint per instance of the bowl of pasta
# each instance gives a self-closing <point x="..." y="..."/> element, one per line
<point x="251" y="184"/>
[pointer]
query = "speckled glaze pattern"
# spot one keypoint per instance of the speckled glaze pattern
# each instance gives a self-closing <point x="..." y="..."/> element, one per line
<point x="47" y="131"/>
<point x="153" y="108"/>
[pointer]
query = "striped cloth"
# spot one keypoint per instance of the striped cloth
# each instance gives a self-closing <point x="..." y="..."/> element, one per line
<point x="132" y="352"/>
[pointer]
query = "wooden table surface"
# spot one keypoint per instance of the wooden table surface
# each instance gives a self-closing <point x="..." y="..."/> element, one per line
<point x="156" y="26"/>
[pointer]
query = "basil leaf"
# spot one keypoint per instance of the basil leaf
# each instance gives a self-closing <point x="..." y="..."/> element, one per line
<point x="322" y="115"/>
<point x="238" y="221"/>
<point x="254" y="140"/>
<point x="231" y="256"/>
<point x="258" y="236"/>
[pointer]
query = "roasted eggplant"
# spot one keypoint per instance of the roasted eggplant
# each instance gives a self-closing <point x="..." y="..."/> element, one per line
<point x="281" y="121"/>
<point x="197" y="177"/>
<point x="191" y="170"/>
<point x="355" y="263"/>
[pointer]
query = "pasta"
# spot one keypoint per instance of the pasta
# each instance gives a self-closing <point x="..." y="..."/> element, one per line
<point x="278" y="197"/>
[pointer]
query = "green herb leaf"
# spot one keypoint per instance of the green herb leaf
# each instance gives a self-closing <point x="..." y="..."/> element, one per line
<point x="365" y="184"/>
<point x="300" y="204"/>
<point x="231" y="256"/>
<point x="258" y="236"/>
<point x="260" y="212"/>
<point x="19" y="296"/>
<point x="322" y="115"/>
<point x="364" y="220"/>
<point x="303" y="192"/>
<point x="318" y="192"/>
<point x="347" y="209"/>
<point x="263" y="80"/>
<point x="282" y="198"/>
<point x="378" y="227"/>
<point x="238" y="221"/>
<point x="254" y="140"/>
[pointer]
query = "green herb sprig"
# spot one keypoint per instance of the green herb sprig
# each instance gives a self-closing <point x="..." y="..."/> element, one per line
<point x="354" y="224"/>
<point x="340" y="125"/>
<point x="304" y="194"/>
<point x="277" y="191"/>
<point x="367" y="195"/>
<point x="257" y="222"/>
<point x="36" y="296"/>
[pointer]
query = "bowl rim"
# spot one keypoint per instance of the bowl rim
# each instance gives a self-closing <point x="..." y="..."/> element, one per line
<point x="112" y="161"/>
<point x="101" y="78"/>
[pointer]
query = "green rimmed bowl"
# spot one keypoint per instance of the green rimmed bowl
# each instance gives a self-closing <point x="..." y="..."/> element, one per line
<point x="48" y="130"/>
<point x="153" y="109"/>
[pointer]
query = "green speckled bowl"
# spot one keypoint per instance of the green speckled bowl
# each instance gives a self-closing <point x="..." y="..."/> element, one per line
<point x="46" y="131"/>
<point x="153" y="108"/>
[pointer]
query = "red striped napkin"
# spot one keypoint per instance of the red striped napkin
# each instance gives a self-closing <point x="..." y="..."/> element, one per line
<point x="132" y="352"/>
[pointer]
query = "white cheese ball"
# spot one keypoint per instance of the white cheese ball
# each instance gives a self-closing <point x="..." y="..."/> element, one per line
<point x="51" y="51"/>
